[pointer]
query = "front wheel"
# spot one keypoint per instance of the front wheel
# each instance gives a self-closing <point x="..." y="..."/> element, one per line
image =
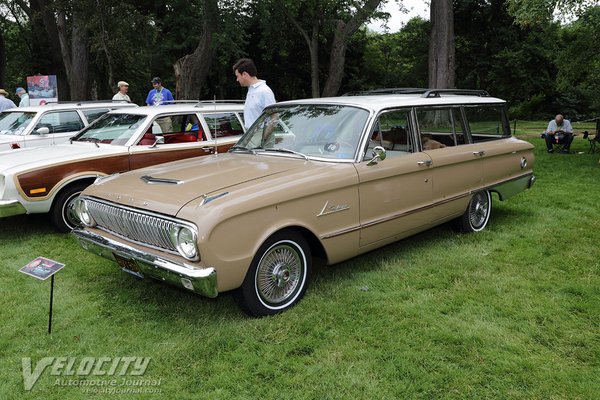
<point x="278" y="275"/>
<point x="62" y="215"/>
<point x="478" y="213"/>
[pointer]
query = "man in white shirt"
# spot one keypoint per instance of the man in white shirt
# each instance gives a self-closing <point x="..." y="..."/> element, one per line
<point x="259" y="94"/>
<point x="22" y="93"/>
<point x="122" y="93"/>
<point x="559" y="131"/>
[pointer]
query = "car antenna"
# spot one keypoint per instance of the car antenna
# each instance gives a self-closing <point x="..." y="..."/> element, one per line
<point x="215" y="125"/>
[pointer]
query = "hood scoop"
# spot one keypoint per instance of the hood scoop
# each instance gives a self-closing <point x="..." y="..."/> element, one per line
<point x="160" y="181"/>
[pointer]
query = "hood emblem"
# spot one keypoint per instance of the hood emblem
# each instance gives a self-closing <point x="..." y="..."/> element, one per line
<point x="207" y="199"/>
<point x="154" y="181"/>
<point x="330" y="209"/>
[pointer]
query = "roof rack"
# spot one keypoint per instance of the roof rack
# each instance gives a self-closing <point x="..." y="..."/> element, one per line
<point x="221" y="101"/>
<point x="386" y="91"/>
<point x="81" y="102"/>
<point x="472" y="92"/>
<point x="422" y="91"/>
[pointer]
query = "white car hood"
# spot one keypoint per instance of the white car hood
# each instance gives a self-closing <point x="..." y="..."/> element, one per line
<point x="13" y="161"/>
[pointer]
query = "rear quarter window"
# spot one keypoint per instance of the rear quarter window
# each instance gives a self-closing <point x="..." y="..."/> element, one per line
<point x="92" y="115"/>
<point x="487" y="123"/>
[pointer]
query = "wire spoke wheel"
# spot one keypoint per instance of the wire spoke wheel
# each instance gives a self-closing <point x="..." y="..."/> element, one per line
<point x="279" y="273"/>
<point x="479" y="210"/>
<point x="477" y="214"/>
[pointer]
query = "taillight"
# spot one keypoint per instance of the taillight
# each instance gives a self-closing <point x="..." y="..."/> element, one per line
<point x="15" y="146"/>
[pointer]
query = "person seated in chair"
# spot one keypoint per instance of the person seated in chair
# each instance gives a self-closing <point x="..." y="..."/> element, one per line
<point x="559" y="131"/>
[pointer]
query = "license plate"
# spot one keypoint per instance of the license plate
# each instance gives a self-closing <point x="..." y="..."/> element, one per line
<point x="128" y="265"/>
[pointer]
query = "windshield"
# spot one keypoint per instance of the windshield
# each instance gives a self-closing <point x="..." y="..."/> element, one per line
<point x="115" y="129"/>
<point x="323" y="131"/>
<point x="15" y="122"/>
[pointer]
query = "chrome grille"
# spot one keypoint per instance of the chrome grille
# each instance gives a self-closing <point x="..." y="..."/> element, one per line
<point x="140" y="227"/>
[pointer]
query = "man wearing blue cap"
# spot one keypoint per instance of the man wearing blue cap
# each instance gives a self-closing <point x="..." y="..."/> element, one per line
<point x="24" y="97"/>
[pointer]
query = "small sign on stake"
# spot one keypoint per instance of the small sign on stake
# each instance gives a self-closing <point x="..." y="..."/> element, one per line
<point x="42" y="268"/>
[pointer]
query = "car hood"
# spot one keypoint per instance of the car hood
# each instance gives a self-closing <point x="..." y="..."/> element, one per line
<point x="13" y="161"/>
<point x="166" y="188"/>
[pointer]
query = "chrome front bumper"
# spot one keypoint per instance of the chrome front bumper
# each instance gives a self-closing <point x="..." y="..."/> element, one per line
<point x="199" y="280"/>
<point x="8" y="208"/>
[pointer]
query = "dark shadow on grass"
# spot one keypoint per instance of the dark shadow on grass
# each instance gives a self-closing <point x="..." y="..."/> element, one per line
<point x="154" y="300"/>
<point x="25" y="226"/>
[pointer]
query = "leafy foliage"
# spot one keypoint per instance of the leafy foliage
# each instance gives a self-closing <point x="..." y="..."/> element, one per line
<point x="510" y="48"/>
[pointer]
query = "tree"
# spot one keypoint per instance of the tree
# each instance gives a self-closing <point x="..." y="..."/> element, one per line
<point x="531" y="12"/>
<point x="441" y="45"/>
<point x="192" y="69"/>
<point x="342" y="18"/>
<point x="343" y="32"/>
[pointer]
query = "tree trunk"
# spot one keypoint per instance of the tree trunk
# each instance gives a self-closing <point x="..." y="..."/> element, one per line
<point x="441" y="45"/>
<point x="76" y="56"/>
<point x="343" y="33"/>
<point x="313" y="48"/>
<point x="2" y="59"/>
<point x="313" y="44"/>
<point x="337" y="60"/>
<point x="43" y="10"/>
<point x="191" y="70"/>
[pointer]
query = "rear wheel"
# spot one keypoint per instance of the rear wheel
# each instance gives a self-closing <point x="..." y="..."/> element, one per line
<point x="278" y="275"/>
<point x="478" y="213"/>
<point x="62" y="214"/>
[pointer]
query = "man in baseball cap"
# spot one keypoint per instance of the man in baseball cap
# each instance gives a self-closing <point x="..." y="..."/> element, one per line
<point x="122" y="93"/>
<point x="22" y="93"/>
<point x="159" y="95"/>
<point x="4" y="102"/>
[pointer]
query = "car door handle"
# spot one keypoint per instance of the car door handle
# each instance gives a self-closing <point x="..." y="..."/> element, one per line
<point x="479" y="153"/>
<point x="426" y="163"/>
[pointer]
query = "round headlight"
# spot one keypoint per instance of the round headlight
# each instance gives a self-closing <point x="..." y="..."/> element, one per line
<point x="184" y="239"/>
<point x="82" y="213"/>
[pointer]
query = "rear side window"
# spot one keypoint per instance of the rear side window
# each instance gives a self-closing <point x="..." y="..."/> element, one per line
<point x="224" y="124"/>
<point x="487" y="123"/>
<point x="61" y="122"/>
<point x="92" y="115"/>
<point x="440" y="127"/>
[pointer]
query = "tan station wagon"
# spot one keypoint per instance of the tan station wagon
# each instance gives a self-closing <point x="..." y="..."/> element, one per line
<point x="327" y="178"/>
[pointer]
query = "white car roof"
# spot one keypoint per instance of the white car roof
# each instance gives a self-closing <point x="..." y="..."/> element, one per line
<point x="377" y="102"/>
<point x="204" y="107"/>
<point x="74" y="106"/>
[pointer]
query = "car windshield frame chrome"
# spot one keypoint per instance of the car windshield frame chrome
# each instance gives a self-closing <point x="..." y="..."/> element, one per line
<point x="276" y="153"/>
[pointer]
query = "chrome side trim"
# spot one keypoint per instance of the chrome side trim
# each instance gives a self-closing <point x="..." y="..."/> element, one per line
<point x="199" y="280"/>
<point x="393" y="217"/>
<point x="505" y="189"/>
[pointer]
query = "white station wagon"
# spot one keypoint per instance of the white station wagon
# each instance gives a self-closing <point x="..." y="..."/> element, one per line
<point x="52" y="123"/>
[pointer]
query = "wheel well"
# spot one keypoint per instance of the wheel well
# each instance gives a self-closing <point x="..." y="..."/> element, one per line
<point x="316" y="248"/>
<point x="84" y="181"/>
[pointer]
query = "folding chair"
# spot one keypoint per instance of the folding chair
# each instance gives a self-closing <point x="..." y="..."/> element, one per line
<point x="595" y="141"/>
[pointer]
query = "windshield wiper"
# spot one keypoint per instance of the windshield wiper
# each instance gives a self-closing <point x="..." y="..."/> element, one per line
<point x="90" y="139"/>
<point x="241" y="148"/>
<point x="284" y="150"/>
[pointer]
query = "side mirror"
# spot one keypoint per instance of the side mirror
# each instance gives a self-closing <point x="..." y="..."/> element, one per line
<point x="378" y="155"/>
<point x="43" y="131"/>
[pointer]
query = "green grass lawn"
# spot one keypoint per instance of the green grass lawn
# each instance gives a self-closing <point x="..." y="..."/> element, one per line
<point x="509" y="313"/>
